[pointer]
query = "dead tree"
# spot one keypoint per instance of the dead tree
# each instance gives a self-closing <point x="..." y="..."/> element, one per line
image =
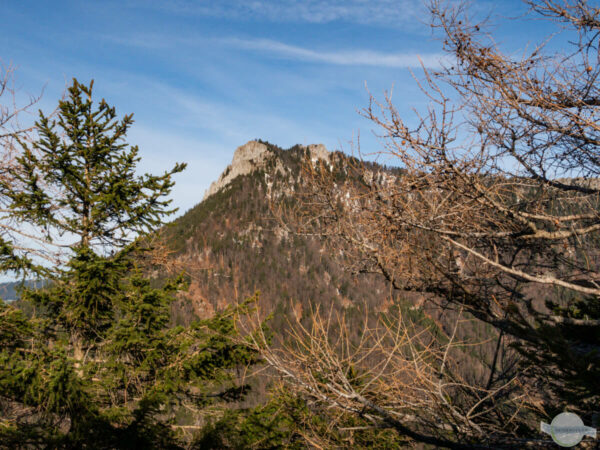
<point x="20" y="246"/>
<point x="394" y="373"/>
<point x="495" y="208"/>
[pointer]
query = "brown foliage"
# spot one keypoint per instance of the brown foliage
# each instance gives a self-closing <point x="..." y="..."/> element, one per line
<point x="393" y="373"/>
<point x="495" y="213"/>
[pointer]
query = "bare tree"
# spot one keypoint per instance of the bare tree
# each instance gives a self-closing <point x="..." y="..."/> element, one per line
<point x="395" y="373"/>
<point x="19" y="245"/>
<point x="11" y="111"/>
<point x="494" y="209"/>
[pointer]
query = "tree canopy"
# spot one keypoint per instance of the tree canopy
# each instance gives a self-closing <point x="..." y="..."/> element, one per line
<point x="98" y="363"/>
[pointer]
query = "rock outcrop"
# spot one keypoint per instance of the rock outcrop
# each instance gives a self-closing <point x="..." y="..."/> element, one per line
<point x="318" y="151"/>
<point x="246" y="159"/>
<point x="253" y="156"/>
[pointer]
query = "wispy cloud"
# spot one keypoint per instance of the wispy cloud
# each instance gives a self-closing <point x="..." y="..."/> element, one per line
<point x="354" y="57"/>
<point x="343" y="57"/>
<point x="369" y="12"/>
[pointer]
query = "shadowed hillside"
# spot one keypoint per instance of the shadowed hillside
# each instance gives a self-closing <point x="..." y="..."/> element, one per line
<point x="232" y="245"/>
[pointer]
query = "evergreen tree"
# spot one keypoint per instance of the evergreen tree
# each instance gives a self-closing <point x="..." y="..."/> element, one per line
<point x="98" y="366"/>
<point x="80" y="179"/>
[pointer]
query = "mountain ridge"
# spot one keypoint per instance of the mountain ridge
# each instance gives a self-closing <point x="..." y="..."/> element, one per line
<point x="231" y="246"/>
<point x="252" y="156"/>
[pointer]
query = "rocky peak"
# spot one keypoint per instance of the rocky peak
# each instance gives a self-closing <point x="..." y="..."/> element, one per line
<point x="318" y="151"/>
<point x="250" y="151"/>
<point x="252" y="156"/>
<point x="246" y="158"/>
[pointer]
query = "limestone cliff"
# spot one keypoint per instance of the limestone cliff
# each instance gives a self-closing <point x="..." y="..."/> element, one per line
<point x="252" y="156"/>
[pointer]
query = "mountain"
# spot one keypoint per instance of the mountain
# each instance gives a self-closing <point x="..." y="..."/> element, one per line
<point x="9" y="291"/>
<point x="232" y="245"/>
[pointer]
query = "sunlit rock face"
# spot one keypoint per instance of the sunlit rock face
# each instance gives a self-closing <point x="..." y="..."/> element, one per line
<point x="318" y="151"/>
<point x="253" y="156"/>
<point x="246" y="159"/>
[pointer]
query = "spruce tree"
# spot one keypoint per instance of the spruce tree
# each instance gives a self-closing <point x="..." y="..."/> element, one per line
<point x="78" y="180"/>
<point x="79" y="176"/>
<point x="98" y="365"/>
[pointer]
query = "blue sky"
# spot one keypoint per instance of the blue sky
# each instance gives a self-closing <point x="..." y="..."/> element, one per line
<point x="203" y="77"/>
